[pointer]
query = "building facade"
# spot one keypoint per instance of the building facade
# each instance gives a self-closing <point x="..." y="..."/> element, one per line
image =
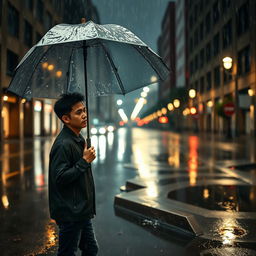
<point x="22" y="24"/>
<point x="167" y="50"/>
<point x="218" y="29"/>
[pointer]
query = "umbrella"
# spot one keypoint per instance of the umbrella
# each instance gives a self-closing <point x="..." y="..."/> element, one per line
<point x="87" y="58"/>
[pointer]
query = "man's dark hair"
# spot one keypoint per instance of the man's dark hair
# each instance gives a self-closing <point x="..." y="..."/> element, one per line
<point x="64" y="104"/>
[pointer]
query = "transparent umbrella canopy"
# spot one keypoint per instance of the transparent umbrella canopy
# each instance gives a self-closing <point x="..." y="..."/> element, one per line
<point x="87" y="58"/>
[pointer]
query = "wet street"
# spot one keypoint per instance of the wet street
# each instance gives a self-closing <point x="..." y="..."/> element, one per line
<point x="158" y="193"/>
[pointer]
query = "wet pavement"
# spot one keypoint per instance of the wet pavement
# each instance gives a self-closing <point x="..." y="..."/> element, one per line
<point x="183" y="195"/>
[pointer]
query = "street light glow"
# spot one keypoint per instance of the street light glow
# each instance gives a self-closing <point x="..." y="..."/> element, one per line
<point x="5" y="98"/>
<point x="170" y="106"/>
<point x="250" y="92"/>
<point x="176" y="103"/>
<point x="143" y="94"/>
<point x="164" y="111"/>
<point x="153" y="79"/>
<point x="227" y="62"/>
<point x="119" y="102"/>
<point x="137" y="108"/>
<point x="59" y="73"/>
<point x="146" y="89"/>
<point x="123" y="115"/>
<point x="192" y="93"/>
<point x="50" y="67"/>
<point x="209" y="103"/>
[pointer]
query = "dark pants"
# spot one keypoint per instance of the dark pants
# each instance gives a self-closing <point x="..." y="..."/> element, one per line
<point x="73" y="234"/>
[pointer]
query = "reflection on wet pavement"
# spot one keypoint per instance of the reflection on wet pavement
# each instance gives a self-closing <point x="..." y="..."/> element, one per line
<point x="218" y="197"/>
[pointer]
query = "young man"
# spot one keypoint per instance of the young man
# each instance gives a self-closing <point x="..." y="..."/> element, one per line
<point x="71" y="185"/>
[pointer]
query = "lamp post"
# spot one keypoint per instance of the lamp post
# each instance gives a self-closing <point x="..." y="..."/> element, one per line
<point x="227" y="64"/>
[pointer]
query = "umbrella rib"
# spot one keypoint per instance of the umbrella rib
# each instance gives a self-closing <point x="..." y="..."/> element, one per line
<point x="32" y="73"/>
<point x="114" y="69"/>
<point x="148" y="60"/>
<point x="68" y="73"/>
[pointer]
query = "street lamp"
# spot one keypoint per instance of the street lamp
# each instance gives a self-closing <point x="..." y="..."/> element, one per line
<point x="192" y="93"/>
<point x="227" y="62"/>
<point x="176" y="103"/>
<point x="119" y="102"/>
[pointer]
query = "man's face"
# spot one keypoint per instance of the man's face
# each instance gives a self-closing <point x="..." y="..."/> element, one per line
<point x="77" y="118"/>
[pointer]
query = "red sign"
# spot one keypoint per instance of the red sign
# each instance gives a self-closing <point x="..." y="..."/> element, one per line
<point x="229" y="109"/>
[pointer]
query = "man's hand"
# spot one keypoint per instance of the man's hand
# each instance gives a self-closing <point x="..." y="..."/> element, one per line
<point x="89" y="154"/>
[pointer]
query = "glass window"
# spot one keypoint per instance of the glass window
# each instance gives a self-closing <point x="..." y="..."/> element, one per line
<point x="243" y="19"/>
<point x="207" y="23"/>
<point x="191" y="65"/>
<point x="216" y="44"/>
<point x="12" y="62"/>
<point x="244" y="61"/>
<point x="216" y="12"/>
<point x="13" y="21"/>
<point x="227" y="34"/>
<point x="48" y="20"/>
<point x="40" y="10"/>
<point x="202" y="84"/>
<point x="196" y="38"/>
<point x="28" y="34"/>
<point x="217" y="76"/>
<point x="202" y="58"/>
<point x="29" y="4"/>
<point x="208" y="81"/>
<point x="201" y="30"/>
<point x="225" y="5"/>
<point x="208" y="52"/>
<point x="196" y="63"/>
<point x="191" y="44"/>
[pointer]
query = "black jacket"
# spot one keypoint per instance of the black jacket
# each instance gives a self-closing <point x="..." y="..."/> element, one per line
<point x="71" y="185"/>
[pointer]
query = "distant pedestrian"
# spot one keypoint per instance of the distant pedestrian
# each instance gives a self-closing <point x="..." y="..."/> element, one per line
<point x="71" y="185"/>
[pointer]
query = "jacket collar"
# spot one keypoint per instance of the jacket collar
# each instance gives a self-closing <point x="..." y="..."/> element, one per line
<point x="68" y="131"/>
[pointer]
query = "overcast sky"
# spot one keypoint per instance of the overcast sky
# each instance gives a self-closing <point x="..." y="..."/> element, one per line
<point x="142" y="17"/>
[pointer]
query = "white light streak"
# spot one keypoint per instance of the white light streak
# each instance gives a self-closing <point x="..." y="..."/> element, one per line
<point x="137" y="108"/>
<point x="123" y="115"/>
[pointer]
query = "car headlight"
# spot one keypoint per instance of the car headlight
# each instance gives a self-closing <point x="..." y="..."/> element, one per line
<point x="93" y="131"/>
<point x="102" y="130"/>
<point x="111" y="128"/>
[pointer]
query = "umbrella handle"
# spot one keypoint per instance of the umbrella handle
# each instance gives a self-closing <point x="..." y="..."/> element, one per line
<point x="88" y="142"/>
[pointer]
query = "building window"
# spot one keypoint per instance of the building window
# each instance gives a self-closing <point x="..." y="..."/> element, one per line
<point x="29" y="4"/>
<point x="191" y="44"/>
<point x="208" y="81"/>
<point x="225" y="5"/>
<point x="243" y="19"/>
<point x="217" y="76"/>
<point x="191" y="66"/>
<point x="202" y="58"/>
<point x="196" y="63"/>
<point x="28" y="34"/>
<point x="207" y="23"/>
<point x="216" y="44"/>
<point x="216" y="12"/>
<point x="227" y="75"/>
<point x="48" y="20"/>
<point x="191" y="21"/>
<point x="40" y="10"/>
<point x="208" y="52"/>
<point x="244" y="61"/>
<point x="196" y="38"/>
<point x="227" y="34"/>
<point x="13" y="21"/>
<point x="38" y="37"/>
<point x="12" y="62"/>
<point x="195" y="13"/>
<point x="201" y="5"/>
<point x="196" y="86"/>
<point x="201" y="30"/>
<point x="201" y="90"/>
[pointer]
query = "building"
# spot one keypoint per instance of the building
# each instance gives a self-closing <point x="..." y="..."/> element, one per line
<point x="23" y="23"/>
<point x="167" y="50"/>
<point x="219" y="29"/>
<point x="181" y="57"/>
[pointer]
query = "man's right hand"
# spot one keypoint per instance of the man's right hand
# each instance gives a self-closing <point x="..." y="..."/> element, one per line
<point x="89" y="154"/>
